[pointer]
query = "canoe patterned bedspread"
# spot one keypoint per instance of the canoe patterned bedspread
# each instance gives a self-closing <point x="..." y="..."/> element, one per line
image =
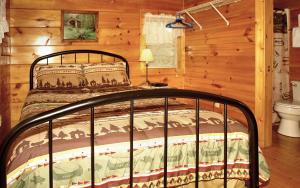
<point x="28" y="162"/>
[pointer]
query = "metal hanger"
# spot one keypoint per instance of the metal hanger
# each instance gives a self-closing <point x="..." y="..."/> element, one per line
<point x="179" y="23"/>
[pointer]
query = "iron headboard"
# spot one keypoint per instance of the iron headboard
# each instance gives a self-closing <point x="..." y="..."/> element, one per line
<point x="75" y="52"/>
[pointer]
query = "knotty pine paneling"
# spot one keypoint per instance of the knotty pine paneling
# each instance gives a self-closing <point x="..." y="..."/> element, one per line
<point x="295" y="52"/>
<point x="4" y="86"/>
<point x="34" y="18"/>
<point x="221" y="59"/>
<point x="291" y="4"/>
<point x="25" y="54"/>
<point x="3" y="99"/>
<point x="52" y="37"/>
<point x="35" y="31"/>
<point x="103" y="5"/>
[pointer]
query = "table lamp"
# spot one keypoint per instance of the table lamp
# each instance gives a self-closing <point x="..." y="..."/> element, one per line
<point x="146" y="56"/>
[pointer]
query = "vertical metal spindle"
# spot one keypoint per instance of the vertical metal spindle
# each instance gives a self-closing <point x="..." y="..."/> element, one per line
<point x="253" y="153"/>
<point x="50" y="150"/>
<point x="166" y="143"/>
<point x="101" y="58"/>
<point x="47" y="61"/>
<point x="225" y="145"/>
<point x="197" y="144"/>
<point x="88" y="57"/>
<point x="131" y="143"/>
<point x="75" y="57"/>
<point x="61" y="59"/>
<point x="92" y="142"/>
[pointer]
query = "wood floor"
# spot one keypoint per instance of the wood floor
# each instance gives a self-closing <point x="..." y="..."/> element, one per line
<point x="283" y="158"/>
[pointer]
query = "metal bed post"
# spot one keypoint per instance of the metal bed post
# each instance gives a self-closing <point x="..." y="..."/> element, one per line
<point x="225" y="145"/>
<point x="131" y="144"/>
<point x="92" y="142"/>
<point x="166" y="142"/>
<point x="197" y="143"/>
<point x="50" y="148"/>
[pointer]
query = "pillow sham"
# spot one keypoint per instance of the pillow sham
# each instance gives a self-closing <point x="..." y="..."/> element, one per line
<point x="106" y="75"/>
<point x="55" y="76"/>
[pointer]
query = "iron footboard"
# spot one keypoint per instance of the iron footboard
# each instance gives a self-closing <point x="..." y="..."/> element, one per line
<point x="131" y="96"/>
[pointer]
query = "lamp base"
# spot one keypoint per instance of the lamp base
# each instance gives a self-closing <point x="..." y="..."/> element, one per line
<point x="146" y="83"/>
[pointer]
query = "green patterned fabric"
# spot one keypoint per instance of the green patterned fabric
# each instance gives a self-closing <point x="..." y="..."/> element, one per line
<point x="29" y="166"/>
<point x="72" y="167"/>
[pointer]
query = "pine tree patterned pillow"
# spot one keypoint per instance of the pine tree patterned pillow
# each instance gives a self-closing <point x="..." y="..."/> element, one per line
<point x="106" y="75"/>
<point x="59" y="76"/>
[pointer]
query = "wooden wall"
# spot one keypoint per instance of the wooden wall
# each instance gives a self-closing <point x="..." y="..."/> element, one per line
<point x="4" y="95"/>
<point x="295" y="52"/>
<point x="35" y="31"/>
<point x="291" y="4"/>
<point x="221" y="59"/>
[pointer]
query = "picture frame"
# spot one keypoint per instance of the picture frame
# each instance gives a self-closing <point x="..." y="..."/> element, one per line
<point x="79" y="26"/>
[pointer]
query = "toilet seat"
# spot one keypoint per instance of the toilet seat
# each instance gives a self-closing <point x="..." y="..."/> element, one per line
<point x="288" y="107"/>
<point x="289" y="104"/>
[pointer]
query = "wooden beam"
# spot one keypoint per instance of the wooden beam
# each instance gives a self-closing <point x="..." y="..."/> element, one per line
<point x="263" y="69"/>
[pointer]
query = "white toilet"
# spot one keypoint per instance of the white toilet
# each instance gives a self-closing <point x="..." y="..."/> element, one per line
<point x="289" y="111"/>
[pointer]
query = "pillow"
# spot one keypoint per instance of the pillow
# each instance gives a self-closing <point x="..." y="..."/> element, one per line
<point x="106" y="74"/>
<point x="54" y="76"/>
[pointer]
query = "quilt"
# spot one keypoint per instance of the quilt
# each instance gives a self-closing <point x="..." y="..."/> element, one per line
<point x="28" y="164"/>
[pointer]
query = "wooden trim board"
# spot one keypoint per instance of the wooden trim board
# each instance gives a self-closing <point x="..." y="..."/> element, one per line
<point x="263" y="69"/>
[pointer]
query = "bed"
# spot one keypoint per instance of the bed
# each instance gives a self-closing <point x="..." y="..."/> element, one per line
<point x="84" y="125"/>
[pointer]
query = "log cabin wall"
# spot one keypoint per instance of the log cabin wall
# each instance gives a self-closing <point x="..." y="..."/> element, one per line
<point x="221" y="59"/>
<point x="2" y="128"/>
<point x="1" y="89"/>
<point x="36" y="30"/>
<point x="295" y="52"/>
<point x="4" y="94"/>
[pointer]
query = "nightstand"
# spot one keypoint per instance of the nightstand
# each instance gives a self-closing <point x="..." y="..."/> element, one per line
<point x="154" y="85"/>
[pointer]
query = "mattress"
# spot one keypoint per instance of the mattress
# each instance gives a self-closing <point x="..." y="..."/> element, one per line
<point x="29" y="166"/>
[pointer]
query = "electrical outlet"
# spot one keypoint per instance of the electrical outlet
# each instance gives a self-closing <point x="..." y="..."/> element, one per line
<point x="217" y="105"/>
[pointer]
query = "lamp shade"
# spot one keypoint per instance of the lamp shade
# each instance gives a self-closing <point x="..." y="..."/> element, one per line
<point x="146" y="55"/>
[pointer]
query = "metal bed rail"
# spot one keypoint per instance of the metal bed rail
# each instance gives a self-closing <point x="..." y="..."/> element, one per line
<point x="131" y="96"/>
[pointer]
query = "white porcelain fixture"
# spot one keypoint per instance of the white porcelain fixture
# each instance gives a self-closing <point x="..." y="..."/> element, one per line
<point x="289" y="111"/>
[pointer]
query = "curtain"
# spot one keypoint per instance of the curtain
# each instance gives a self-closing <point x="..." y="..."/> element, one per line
<point x="281" y="86"/>
<point x="3" y="22"/>
<point x="161" y="40"/>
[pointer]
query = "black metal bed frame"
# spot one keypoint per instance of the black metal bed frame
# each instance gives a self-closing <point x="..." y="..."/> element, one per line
<point x="131" y="96"/>
<point x="75" y="52"/>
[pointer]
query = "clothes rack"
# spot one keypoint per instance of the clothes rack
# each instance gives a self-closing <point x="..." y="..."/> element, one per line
<point x="206" y="6"/>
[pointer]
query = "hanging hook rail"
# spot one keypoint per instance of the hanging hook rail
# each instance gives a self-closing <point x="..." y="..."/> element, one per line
<point x="222" y="16"/>
<point x="205" y="6"/>
<point x="200" y="26"/>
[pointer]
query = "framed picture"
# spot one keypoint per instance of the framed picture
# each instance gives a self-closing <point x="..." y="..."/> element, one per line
<point x="79" y="26"/>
